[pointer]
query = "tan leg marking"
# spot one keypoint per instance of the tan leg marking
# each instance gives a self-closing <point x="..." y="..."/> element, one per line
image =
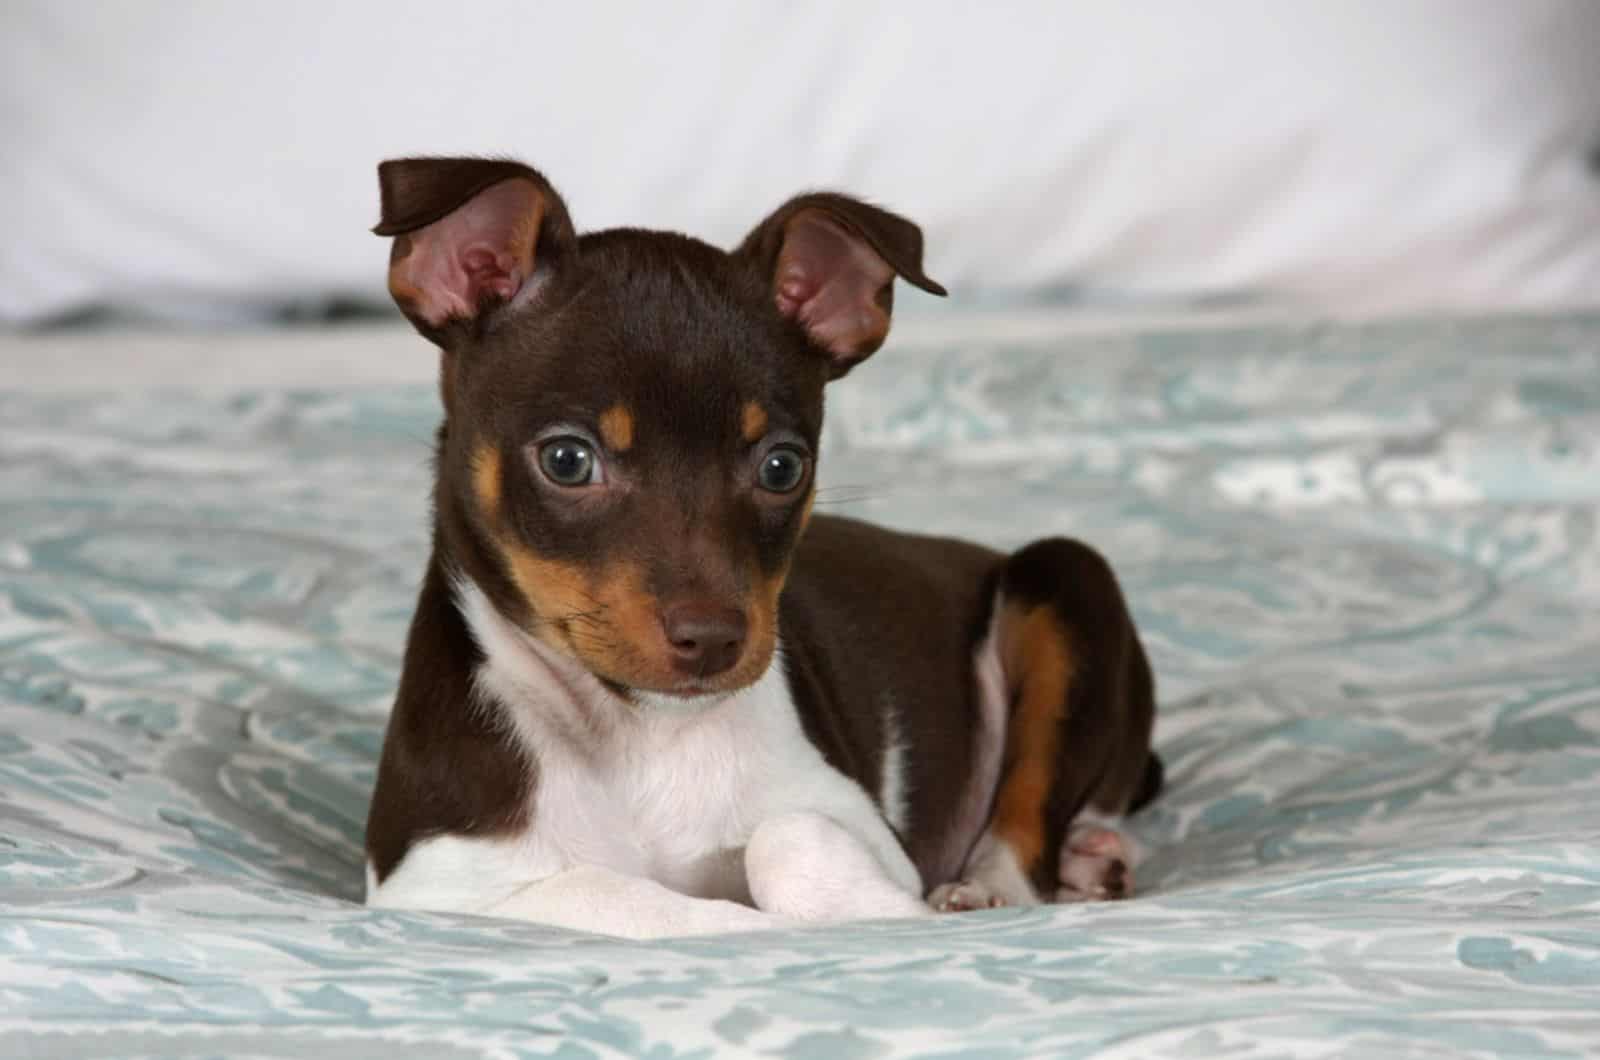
<point x="1037" y="656"/>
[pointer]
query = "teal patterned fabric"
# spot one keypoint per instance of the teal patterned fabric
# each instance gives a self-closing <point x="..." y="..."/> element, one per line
<point x="1365" y="559"/>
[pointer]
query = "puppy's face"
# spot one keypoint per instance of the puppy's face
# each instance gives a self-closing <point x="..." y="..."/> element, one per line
<point x="632" y="418"/>
<point x="639" y="455"/>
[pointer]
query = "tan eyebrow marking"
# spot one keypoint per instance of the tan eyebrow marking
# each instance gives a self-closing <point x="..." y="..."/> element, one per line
<point x="616" y="428"/>
<point x="753" y="421"/>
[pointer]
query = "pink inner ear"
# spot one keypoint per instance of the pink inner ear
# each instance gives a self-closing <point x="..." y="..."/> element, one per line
<point x="828" y="279"/>
<point x="485" y="247"/>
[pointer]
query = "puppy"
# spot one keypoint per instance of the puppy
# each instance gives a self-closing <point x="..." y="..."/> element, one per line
<point x="646" y="691"/>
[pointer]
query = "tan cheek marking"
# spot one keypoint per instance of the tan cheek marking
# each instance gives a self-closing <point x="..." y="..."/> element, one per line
<point x="805" y="516"/>
<point x="765" y="626"/>
<point x="616" y="428"/>
<point x="486" y="480"/>
<point x="554" y="590"/>
<point x="609" y="624"/>
<point x="763" y="635"/>
<point x="1039" y="663"/>
<point x="753" y="421"/>
<point x="635" y="645"/>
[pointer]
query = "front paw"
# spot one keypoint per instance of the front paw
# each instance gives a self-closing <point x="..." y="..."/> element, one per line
<point x="963" y="896"/>
<point x="809" y="867"/>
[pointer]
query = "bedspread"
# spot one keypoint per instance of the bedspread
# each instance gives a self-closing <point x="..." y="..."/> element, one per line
<point x="1365" y="559"/>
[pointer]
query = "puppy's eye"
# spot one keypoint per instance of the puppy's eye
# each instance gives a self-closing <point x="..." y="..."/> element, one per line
<point x="569" y="461"/>
<point x="782" y="470"/>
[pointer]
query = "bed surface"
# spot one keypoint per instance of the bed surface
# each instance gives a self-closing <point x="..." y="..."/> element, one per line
<point x="1365" y="558"/>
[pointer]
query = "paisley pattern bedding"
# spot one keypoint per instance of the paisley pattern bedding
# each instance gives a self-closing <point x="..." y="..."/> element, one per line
<point x="1366" y="560"/>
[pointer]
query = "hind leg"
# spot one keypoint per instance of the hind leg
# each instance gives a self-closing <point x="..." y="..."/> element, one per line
<point x="1077" y="739"/>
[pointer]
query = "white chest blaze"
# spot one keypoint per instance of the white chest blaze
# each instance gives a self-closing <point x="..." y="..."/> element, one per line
<point x="666" y="789"/>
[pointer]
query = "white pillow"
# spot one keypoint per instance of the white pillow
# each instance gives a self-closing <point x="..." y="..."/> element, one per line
<point x="1384" y="154"/>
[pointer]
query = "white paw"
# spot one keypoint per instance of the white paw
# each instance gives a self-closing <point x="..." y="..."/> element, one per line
<point x="963" y="896"/>
<point x="731" y="918"/>
<point x="809" y="867"/>
<point x="1095" y="866"/>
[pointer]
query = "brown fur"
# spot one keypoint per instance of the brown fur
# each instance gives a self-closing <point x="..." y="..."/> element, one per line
<point x="682" y="358"/>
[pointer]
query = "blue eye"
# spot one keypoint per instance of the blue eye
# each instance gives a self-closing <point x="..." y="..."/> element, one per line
<point x="567" y="461"/>
<point x="782" y="470"/>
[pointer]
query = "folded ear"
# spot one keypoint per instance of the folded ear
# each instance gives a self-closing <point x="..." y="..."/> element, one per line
<point x="470" y="234"/>
<point x="832" y="262"/>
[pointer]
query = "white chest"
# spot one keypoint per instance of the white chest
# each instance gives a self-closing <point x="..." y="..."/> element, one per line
<point x="673" y="792"/>
<point x="662" y="788"/>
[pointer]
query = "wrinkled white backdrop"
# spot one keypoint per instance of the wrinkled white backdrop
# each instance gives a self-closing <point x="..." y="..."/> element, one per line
<point x="202" y="159"/>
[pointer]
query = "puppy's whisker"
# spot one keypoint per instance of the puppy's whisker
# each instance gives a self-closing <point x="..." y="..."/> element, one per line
<point x="832" y="502"/>
<point x="850" y="494"/>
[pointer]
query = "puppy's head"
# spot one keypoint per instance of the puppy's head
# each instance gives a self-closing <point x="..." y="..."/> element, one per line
<point x="632" y="417"/>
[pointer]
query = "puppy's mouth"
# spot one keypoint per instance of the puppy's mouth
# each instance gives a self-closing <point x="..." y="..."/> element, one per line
<point x="753" y="662"/>
<point x="660" y="670"/>
<point x="698" y="687"/>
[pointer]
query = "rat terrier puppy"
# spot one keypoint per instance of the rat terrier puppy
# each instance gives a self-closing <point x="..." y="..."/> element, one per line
<point x="646" y="692"/>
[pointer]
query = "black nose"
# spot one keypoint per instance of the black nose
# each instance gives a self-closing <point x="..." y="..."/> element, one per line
<point x="706" y="639"/>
